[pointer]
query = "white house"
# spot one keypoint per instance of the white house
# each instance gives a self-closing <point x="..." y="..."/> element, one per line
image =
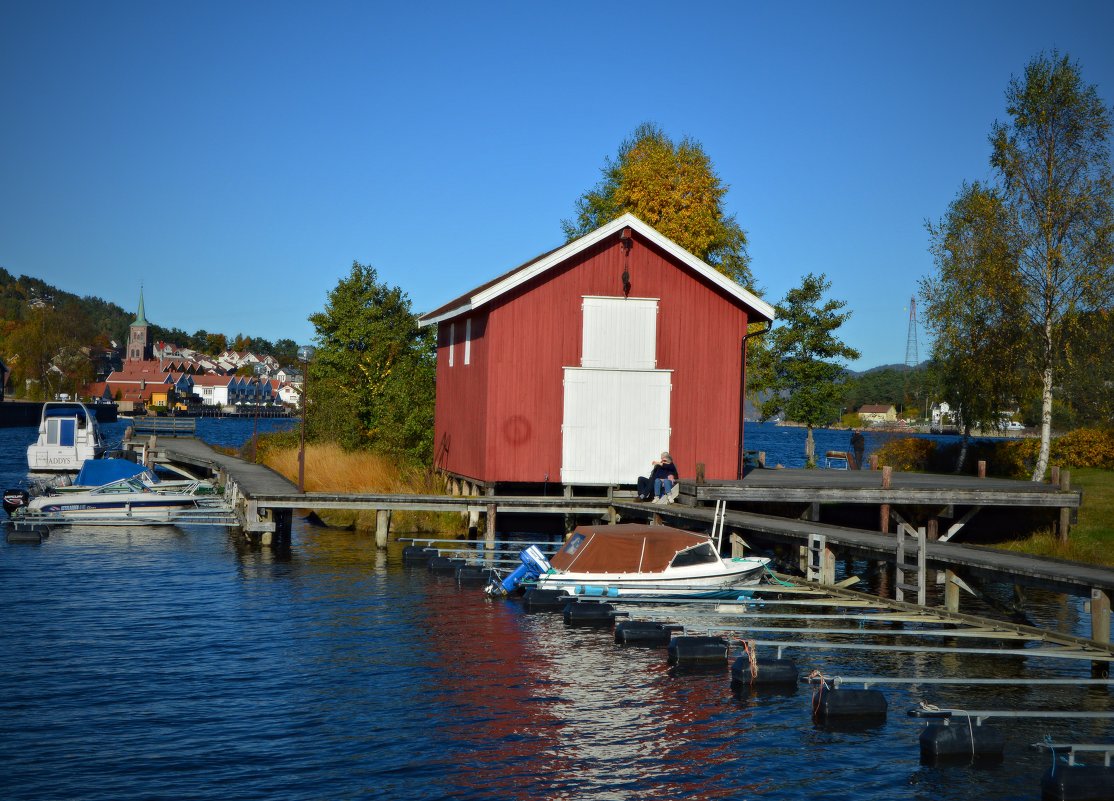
<point x="214" y="390"/>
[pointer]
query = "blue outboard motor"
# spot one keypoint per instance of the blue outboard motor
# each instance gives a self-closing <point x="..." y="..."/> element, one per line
<point x="533" y="565"/>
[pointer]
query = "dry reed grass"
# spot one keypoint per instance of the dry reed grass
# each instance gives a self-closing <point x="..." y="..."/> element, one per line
<point x="329" y="468"/>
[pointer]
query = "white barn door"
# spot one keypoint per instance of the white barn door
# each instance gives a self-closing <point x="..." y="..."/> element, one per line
<point x="616" y="404"/>
<point x="615" y="423"/>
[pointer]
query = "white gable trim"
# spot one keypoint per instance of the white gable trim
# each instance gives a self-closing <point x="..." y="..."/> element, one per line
<point x="532" y="271"/>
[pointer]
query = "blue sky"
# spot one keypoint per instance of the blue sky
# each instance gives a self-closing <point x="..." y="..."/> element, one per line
<point x="236" y="157"/>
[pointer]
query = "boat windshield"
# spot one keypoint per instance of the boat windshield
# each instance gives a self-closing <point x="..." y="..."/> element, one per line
<point x="128" y="485"/>
<point x="697" y="555"/>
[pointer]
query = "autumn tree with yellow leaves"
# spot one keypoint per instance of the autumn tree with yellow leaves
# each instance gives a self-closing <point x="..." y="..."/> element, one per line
<point x="673" y="187"/>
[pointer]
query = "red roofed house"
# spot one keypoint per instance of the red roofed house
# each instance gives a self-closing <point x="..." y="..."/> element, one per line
<point x="581" y="366"/>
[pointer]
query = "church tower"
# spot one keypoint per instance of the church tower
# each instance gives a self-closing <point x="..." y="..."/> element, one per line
<point x="139" y="348"/>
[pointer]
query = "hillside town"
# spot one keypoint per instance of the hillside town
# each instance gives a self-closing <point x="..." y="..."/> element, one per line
<point x="156" y="376"/>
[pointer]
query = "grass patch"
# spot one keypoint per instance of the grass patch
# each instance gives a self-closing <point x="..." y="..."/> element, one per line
<point x="1092" y="539"/>
<point x="329" y="468"/>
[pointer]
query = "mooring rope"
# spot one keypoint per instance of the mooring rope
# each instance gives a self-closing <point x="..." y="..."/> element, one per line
<point x="816" y="675"/>
<point x="750" y="649"/>
<point x="774" y="579"/>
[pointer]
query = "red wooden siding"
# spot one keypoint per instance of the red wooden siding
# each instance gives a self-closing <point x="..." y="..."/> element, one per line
<point x="499" y="418"/>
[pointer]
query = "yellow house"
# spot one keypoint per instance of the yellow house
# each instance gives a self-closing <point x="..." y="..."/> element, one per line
<point x="877" y="413"/>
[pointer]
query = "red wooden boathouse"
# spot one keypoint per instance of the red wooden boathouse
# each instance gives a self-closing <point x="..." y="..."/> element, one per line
<point x="582" y="365"/>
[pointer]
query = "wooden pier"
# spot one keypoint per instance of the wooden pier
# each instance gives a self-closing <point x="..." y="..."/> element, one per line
<point x="264" y="502"/>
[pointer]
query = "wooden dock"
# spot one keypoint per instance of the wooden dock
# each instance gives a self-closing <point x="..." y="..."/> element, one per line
<point x="264" y="502"/>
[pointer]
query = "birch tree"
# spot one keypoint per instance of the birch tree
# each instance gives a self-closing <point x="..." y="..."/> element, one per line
<point x="1053" y="158"/>
<point x="979" y="341"/>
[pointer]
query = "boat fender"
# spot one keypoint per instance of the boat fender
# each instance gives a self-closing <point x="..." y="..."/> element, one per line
<point x="443" y="564"/>
<point x="770" y="672"/>
<point x="646" y="633"/>
<point x="865" y="707"/>
<point x="589" y="591"/>
<point x="589" y="614"/>
<point x="473" y="574"/>
<point x="957" y="739"/>
<point x="536" y="600"/>
<point x="1078" y="783"/>
<point x="417" y="555"/>
<point x="698" y="651"/>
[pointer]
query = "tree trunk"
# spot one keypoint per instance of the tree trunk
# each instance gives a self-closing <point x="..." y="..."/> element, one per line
<point x="1046" y="404"/>
<point x="810" y="449"/>
<point x="963" y="442"/>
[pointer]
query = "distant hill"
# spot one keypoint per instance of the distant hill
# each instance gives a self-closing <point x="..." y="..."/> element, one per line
<point x="91" y="320"/>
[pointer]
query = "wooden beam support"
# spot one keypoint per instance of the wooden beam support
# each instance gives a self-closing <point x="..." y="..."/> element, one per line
<point x="382" y="528"/>
<point x="1100" y="627"/>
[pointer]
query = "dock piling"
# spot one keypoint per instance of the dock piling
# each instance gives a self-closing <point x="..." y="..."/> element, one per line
<point x="1065" y="511"/>
<point x="382" y="527"/>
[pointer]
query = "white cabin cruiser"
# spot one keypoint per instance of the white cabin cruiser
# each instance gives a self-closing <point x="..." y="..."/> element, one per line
<point x="123" y="500"/>
<point x="68" y="435"/>
<point x="636" y="559"/>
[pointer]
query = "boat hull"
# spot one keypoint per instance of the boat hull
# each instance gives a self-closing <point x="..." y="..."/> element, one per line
<point x="737" y="575"/>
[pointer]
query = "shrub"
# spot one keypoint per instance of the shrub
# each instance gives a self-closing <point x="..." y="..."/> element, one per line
<point x="1015" y="458"/>
<point x="908" y="453"/>
<point x="1085" y="447"/>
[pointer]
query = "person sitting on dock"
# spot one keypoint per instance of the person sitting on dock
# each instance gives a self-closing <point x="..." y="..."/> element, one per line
<point x="659" y="484"/>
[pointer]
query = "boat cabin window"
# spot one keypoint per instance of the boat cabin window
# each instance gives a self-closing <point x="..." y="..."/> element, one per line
<point x="573" y="545"/>
<point x="697" y="555"/>
<point x="60" y="431"/>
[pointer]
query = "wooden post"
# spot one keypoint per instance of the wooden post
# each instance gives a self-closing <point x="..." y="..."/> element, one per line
<point x="884" y="510"/>
<point x="982" y="468"/>
<point x="1055" y="475"/>
<point x="951" y="592"/>
<point x="382" y="527"/>
<point x="1065" y="511"/>
<point x="827" y="566"/>
<point x="489" y="527"/>
<point x="1100" y="627"/>
<point x="873" y="461"/>
<point x="699" y="472"/>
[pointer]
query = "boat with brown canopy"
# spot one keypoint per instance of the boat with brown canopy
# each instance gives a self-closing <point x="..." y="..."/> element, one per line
<point x="644" y="560"/>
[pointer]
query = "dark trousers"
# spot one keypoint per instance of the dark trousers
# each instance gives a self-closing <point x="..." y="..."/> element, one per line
<point x="645" y="488"/>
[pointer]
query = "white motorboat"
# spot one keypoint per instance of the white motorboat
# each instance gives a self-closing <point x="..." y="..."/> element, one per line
<point x="68" y="435"/>
<point x="125" y="499"/>
<point x="98" y="472"/>
<point x="636" y="559"/>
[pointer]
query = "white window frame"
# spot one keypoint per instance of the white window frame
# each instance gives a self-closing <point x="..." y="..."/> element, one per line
<point x="468" y="341"/>
<point x="452" y="342"/>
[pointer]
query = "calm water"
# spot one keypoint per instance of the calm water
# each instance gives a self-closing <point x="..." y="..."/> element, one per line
<point x="166" y="663"/>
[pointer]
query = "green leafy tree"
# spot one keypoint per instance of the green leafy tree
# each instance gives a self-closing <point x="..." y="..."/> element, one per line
<point x="673" y="187"/>
<point x="800" y="372"/>
<point x="215" y="344"/>
<point x="1053" y="159"/>
<point x="371" y="383"/>
<point x="970" y="307"/>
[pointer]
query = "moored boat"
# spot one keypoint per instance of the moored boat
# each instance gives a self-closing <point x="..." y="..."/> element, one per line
<point x="637" y="559"/>
<point x="125" y="499"/>
<point x="68" y="435"/>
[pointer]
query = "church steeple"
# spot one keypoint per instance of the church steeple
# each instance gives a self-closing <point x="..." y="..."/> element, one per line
<point x="140" y="319"/>
<point x="139" y="349"/>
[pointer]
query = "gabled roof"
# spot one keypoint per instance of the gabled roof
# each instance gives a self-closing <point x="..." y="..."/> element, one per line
<point x="485" y="293"/>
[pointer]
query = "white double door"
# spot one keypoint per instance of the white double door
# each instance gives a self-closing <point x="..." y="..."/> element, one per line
<point x="616" y="404"/>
